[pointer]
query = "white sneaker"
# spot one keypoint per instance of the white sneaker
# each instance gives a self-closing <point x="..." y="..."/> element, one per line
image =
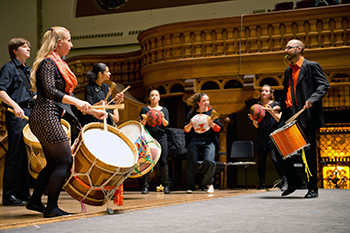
<point x="189" y="191"/>
<point x="210" y="189"/>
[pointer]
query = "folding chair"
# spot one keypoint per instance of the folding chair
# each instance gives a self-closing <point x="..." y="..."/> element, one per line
<point x="243" y="152"/>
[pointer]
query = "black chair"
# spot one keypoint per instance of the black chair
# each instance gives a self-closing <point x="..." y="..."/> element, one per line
<point x="243" y="154"/>
<point x="305" y="4"/>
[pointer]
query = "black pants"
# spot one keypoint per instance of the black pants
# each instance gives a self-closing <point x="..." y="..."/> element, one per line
<point x="262" y="156"/>
<point x="16" y="164"/>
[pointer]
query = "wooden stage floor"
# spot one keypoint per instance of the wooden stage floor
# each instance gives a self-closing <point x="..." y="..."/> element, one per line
<point x="16" y="217"/>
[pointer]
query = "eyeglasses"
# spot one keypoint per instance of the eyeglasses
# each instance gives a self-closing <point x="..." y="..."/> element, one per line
<point x="291" y="47"/>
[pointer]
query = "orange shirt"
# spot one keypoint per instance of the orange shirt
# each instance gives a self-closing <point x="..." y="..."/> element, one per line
<point x="295" y="75"/>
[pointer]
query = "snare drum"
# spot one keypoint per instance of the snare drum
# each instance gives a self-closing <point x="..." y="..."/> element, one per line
<point x="149" y="150"/>
<point x="289" y="139"/>
<point x="35" y="154"/>
<point x="200" y="123"/>
<point x="102" y="160"/>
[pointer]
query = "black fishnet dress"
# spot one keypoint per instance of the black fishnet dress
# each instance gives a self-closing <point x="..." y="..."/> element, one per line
<point x="45" y="125"/>
<point x="45" y="118"/>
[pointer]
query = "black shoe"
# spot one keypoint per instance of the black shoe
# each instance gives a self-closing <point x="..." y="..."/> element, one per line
<point x="292" y="187"/>
<point x="311" y="194"/>
<point x="34" y="207"/>
<point x="144" y="190"/>
<point x="13" y="201"/>
<point x="166" y="189"/>
<point x="262" y="187"/>
<point x="284" y="186"/>
<point x="59" y="213"/>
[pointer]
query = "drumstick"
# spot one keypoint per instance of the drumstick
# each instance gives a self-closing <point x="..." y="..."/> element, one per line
<point x="125" y="89"/>
<point x="110" y="90"/>
<point x="11" y="110"/>
<point x="104" y="120"/>
<point x="108" y="107"/>
<point x="295" y="116"/>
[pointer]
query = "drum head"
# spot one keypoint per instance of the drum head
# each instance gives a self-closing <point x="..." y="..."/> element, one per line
<point x="108" y="147"/>
<point x="200" y="123"/>
<point x="132" y="129"/>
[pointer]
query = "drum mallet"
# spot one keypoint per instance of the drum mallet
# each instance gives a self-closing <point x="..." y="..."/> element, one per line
<point x="11" y="110"/>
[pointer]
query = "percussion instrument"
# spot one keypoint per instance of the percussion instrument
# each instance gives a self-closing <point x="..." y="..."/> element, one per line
<point x="35" y="154"/>
<point x="102" y="160"/>
<point x="154" y="117"/>
<point x="149" y="150"/>
<point x="200" y="121"/>
<point x="289" y="139"/>
<point x="257" y="112"/>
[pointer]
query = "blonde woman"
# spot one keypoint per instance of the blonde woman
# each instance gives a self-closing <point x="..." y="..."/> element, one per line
<point x="55" y="83"/>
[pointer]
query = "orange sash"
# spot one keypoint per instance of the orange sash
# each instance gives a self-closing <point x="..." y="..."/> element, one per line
<point x="68" y="75"/>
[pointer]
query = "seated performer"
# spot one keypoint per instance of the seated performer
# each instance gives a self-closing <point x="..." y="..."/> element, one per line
<point x="96" y="91"/>
<point x="203" y="142"/>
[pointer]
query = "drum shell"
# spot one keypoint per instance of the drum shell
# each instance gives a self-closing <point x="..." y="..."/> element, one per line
<point x="97" y="173"/>
<point x="289" y="140"/>
<point x="37" y="161"/>
<point x="153" y="147"/>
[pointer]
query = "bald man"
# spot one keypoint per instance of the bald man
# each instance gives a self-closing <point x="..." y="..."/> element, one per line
<point x="305" y="84"/>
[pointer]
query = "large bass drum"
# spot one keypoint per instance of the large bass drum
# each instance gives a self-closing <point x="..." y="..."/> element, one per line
<point x="102" y="160"/>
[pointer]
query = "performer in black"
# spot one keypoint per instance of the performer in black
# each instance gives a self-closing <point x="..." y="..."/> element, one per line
<point x="206" y="143"/>
<point x="55" y="83"/>
<point x="15" y="93"/>
<point x="305" y="85"/>
<point x="157" y="132"/>
<point x="96" y="91"/>
<point x="264" y="143"/>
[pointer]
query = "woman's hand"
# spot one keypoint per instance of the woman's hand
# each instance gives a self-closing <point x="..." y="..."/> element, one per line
<point x="119" y="98"/>
<point x="82" y="105"/>
<point x="211" y="123"/>
<point x="99" y="114"/>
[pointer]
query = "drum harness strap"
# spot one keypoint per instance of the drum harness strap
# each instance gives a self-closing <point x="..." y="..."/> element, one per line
<point x="108" y="191"/>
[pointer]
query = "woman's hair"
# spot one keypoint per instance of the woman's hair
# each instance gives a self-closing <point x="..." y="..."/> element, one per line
<point x="272" y="97"/>
<point x="194" y="100"/>
<point x="14" y="43"/>
<point x="93" y="75"/>
<point x="48" y="44"/>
